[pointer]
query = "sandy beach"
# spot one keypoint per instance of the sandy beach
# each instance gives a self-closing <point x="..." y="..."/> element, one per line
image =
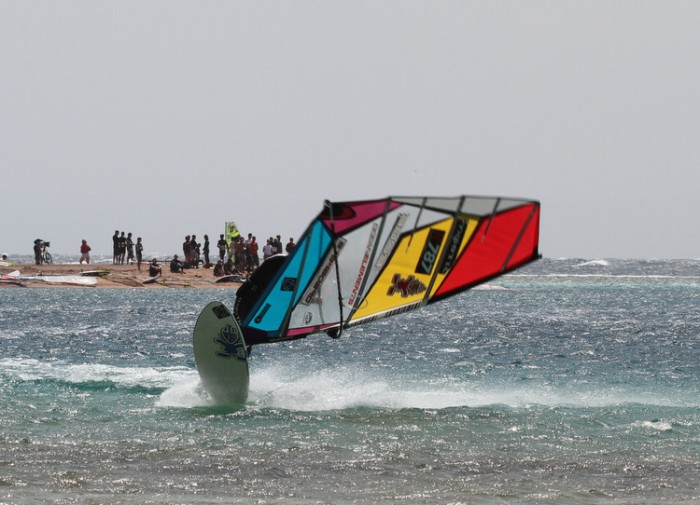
<point x="119" y="276"/>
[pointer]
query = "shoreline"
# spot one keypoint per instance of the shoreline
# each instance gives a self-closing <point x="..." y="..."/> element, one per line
<point x="117" y="276"/>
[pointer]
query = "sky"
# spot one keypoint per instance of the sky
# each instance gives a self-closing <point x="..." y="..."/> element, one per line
<point x="167" y="118"/>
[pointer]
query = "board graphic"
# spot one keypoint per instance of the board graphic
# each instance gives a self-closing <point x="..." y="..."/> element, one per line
<point x="220" y="355"/>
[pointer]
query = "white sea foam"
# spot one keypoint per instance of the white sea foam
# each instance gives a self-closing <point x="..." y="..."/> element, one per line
<point x="489" y="287"/>
<point x="655" y="425"/>
<point x="36" y="370"/>
<point x="186" y="393"/>
<point x="293" y="389"/>
<point x="600" y="263"/>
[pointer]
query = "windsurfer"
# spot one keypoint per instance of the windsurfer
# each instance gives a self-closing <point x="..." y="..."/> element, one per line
<point x="254" y="286"/>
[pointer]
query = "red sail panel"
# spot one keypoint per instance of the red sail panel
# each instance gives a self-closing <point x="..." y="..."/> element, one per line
<point x="510" y="236"/>
<point x="528" y="245"/>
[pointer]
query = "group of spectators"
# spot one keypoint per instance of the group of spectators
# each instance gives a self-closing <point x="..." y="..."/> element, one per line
<point x="126" y="250"/>
<point x="237" y="255"/>
<point x="243" y="254"/>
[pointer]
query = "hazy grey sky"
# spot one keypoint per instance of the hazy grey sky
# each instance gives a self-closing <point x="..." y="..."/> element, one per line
<point x="166" y="118"/>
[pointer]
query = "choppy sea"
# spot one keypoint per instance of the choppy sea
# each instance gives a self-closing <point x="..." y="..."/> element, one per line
<point x="568" y="382"/>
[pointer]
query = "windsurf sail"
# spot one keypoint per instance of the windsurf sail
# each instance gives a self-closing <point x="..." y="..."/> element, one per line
<point x="365" y="260"/>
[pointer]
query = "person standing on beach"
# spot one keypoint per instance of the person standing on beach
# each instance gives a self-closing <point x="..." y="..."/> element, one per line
<point x="290" y="246"/>
<point x="277" y="244"/>
<point x="37" y="251"/>
<point x="268" y="249"/>
<point x="187" y="247"/>
<point x="139" y="252"/>
<point x="194" y="252"/>
<point x="221" y="244"/>
<point x="85" y="252"/>
<point x="205" y="251"/>
<point x="129" y="249"/>
<point x="115" y="247"/>
<point x="121" y="249"/>
<point x="253" y="248"/>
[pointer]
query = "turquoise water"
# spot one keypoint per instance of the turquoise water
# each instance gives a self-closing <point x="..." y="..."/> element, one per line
<point x="570" y="382"/>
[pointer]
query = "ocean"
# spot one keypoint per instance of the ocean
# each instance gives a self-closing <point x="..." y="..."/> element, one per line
<point x="567" y="382"/>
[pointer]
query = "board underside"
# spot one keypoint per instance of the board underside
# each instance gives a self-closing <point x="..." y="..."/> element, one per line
<point x="220" y="355"/>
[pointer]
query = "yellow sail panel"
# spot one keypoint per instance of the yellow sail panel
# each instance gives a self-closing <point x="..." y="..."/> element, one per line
<point x="463" y="231"/>
<point x="407" y="274"/>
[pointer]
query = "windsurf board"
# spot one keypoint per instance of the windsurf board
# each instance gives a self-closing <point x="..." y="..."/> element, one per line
<point x="170" y="282"/>
<point x="230" y="278"/>
<point x="95" y="273"/>
<point x="220" y="355"/>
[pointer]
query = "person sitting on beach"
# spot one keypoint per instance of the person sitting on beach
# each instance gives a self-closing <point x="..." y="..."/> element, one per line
<point x="154" y="268"/>
<point x="219" y="269"/>
<point x="177" y="266"/>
